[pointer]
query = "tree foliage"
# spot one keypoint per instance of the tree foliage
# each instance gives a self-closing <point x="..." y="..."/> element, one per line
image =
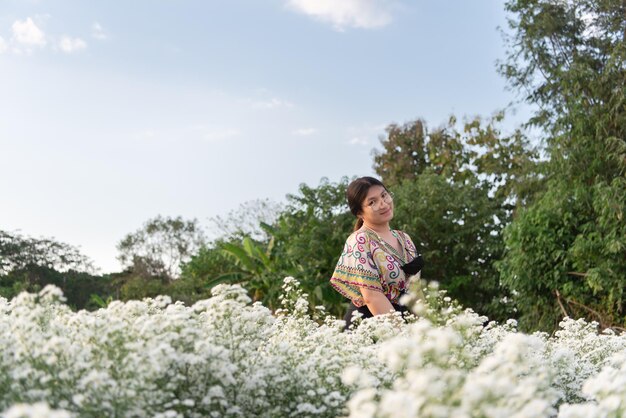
<point x="458" y="229"/>
<point x="246" y="220"/>
<point x="404" y="155"/>
<point x="310" y="235"/>
<point x="411" y="149"/>
<point x="256" y="266"/>
<point x="304" y="241"/>
<point x="18" y="252"/>
<point x="566" y="254"/>
<point x="463" y="190"/>
<point x="29" y="264"/>
<point x="160" y="246"/>
<point x="478" y="150"/>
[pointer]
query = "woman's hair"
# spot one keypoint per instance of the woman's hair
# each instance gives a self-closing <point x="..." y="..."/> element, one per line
<point x="356" y="194"/>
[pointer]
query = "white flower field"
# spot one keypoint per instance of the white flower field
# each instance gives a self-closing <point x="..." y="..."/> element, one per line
<point x="228" y="357"/>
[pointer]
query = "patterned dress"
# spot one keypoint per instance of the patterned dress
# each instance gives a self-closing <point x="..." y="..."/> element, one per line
<point x="367" y="261"/>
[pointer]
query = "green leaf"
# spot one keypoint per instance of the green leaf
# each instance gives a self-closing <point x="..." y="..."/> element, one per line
<point x="240" y="255"/>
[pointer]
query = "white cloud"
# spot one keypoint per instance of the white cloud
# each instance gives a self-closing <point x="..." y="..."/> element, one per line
<point x="266" y="99"/>
<point x="210" y="133"/>
<point x="220" y="135"/>
<point x="365" y="134"/>
<point x="70" y="45"/>
<point x="272" y="103"/>
<point x="198" y="132"/>
<point x="27" y="33"/>
<point x="3" y="45"/>
<point x="358" y="141"/>
<point x="366" y="14"/>
<point x="98" y="32"/>
<point x="304" y="131"/>
<point x="146" y="135"/>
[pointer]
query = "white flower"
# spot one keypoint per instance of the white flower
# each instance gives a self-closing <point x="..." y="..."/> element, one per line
<point x="350" y="375"/>
<point x="227" y="357"/>
<point x="37" y="410"/>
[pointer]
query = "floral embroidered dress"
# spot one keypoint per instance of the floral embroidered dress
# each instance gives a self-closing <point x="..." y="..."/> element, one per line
<point x="367" y="261"/>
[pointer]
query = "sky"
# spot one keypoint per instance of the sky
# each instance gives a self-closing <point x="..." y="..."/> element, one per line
<point x="112" y="113"/>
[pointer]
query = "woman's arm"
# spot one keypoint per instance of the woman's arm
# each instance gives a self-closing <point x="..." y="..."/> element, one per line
<point x="376" y="301"/>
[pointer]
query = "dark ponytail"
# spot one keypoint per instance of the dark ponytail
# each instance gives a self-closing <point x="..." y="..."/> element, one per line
<point x="356" y="194"/>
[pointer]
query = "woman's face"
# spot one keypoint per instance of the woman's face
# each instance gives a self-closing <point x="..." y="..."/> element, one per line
<point x="377" y="208"/>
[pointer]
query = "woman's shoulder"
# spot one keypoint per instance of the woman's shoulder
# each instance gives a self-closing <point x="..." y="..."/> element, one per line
<point x="357" y="236"/>
<point x="360" y="236"/>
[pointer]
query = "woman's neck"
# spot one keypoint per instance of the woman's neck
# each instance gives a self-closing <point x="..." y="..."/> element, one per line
<point x="379" y="228"/>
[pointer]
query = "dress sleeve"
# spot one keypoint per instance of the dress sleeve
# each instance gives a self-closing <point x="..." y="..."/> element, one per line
<point x="356" y="269"/>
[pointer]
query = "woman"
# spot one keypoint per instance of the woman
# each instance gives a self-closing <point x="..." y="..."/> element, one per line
<point x="376" y="261"/>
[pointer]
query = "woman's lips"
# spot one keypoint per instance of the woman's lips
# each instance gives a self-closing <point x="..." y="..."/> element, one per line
<point x="385" y="211"/>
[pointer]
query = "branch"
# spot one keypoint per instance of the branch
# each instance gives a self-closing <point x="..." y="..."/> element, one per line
<point x="558" y="299"/>
<point x="588" y="309"/>
<point x="597" y="314"/>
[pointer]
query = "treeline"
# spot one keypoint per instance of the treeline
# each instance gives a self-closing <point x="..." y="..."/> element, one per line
<point x="510" y="228"/>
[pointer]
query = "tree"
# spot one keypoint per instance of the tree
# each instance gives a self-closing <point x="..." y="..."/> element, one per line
<point x="478" y="150"/>
<point x="309" y="237"/>
<point x="246" y="220"/>
<point x="256" y="268"/>
<point x="305" y="241"/>
<point x="18" y="252"/>
<point x="209" y="265"/>
<point x="566" y="251"/>
<point x="243" y="261"/>
<point x="404" y="154"/>
<point x="29" y="264"/>
<point x="410" y="150"/>
<point x="456" y="190"/>
<point x="458" y="229"/>
<point x="508" y="164"/>
<point x="160" y="246"/>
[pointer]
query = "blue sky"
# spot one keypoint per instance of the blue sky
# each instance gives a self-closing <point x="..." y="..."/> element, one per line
<point x="115" y="112"/>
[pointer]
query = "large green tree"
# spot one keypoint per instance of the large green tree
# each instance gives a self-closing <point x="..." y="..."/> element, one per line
<point x="410" y="149"/>
<point x="478" y="149"/>
<point x="566" y="253"/>
<point x="462" y="189"/>
<point x="457" y="228"/>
